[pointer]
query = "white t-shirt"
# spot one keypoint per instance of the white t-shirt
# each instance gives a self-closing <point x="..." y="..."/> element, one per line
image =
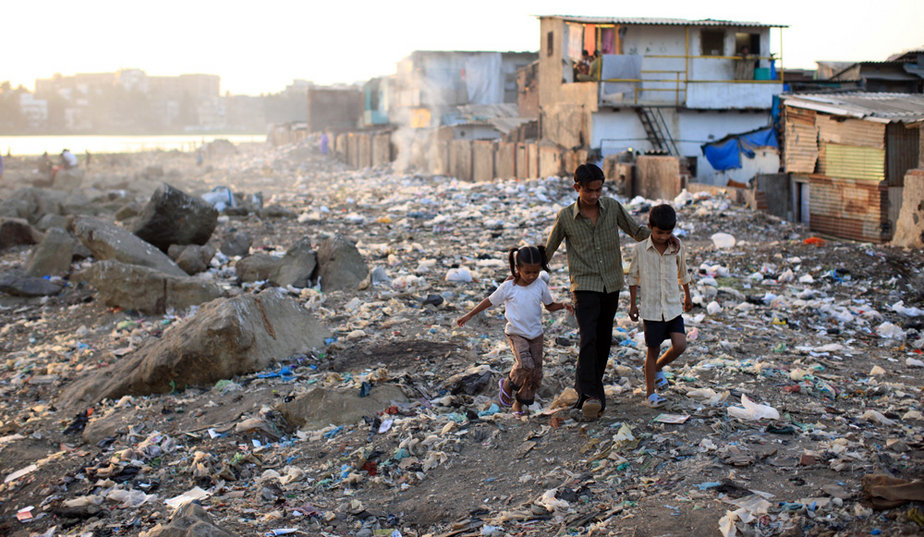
<point x="523" y="306"/>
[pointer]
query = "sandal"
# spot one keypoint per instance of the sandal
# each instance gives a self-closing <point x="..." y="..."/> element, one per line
<point x="661" y="381"/>
<point x="655" y="400"/>
<point x="591" y="409"/>
<point x="503" y="396"/>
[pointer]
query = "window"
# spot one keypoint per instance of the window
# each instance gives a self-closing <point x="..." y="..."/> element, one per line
<point x="746" y="43"/>
<point x="713" y="42"/>
<point x="549" y="43"/>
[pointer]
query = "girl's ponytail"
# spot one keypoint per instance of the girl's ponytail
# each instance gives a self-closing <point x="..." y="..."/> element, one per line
<point x="512" y="258"/>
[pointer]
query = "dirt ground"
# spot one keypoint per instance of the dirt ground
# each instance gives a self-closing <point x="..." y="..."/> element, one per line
<point x="446" y="462"/>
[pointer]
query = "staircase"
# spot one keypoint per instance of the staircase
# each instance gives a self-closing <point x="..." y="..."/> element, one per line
<point x="656" y="129"/>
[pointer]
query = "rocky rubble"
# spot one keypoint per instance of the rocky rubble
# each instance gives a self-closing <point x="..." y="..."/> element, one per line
<point x="340" y="399"/>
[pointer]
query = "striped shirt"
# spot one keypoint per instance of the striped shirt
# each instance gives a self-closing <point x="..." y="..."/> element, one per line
<point x="659" y="276"/>
<point x="594" y="258"/>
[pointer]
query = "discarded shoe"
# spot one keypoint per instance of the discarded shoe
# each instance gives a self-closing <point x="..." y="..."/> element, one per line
<point x="591" y="409"/>
<point x="661" y="381"/>
<point x="655" y="400"/>
<point x="502" y="396"/>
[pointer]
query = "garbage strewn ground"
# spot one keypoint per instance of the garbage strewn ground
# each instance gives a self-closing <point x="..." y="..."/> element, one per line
<point x="796" y="410"/>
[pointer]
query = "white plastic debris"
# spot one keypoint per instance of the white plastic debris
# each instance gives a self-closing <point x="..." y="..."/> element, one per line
<point x="786" y="276"/>
<point x="877" y="417"/>
<point x="750" y="410"/>
<point x="193" y="494"/>
<point x="550" y="502"/>
<point x="899" y="307"/>
<point x="890" y="331"/>
<point x="461" y="274"/>
<point x="713" y="308"/>
<point x="723" y="240"/>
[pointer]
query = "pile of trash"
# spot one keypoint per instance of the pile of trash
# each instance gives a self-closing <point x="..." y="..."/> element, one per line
<point x="363" y="410"/>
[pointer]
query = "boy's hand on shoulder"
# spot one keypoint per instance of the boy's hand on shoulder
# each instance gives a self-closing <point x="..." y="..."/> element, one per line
<point x="674" y="242"/>
<point x="633" y="312"/>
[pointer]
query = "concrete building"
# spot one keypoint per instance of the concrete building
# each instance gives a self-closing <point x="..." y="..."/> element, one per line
<point x="429" y="85"/>
<point x="847" y="156"/>
<point x="332" y="108"/>
<point x="666" y="85"/>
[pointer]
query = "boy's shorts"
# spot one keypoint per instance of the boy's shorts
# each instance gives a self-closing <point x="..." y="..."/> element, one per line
<point x="658" y="331"/>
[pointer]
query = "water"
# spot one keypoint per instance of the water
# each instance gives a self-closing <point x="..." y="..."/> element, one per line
<point x="78" y="144"/>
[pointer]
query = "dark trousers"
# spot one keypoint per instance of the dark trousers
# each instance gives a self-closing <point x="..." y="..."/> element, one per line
<point x="595" y="312"/>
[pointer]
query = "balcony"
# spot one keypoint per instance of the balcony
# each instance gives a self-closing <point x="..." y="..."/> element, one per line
<point x="696" y="82"/>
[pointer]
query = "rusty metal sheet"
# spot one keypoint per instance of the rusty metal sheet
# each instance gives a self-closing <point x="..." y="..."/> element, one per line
<point x="902" y="152"/>
<point x="849" y="209"/>
<point x="851" y="132"/>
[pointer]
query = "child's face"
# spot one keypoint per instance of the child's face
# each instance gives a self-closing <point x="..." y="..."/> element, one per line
<point x="590" y="193"/>
<point x="659" y="236"/>
<point x="528" y="273"/>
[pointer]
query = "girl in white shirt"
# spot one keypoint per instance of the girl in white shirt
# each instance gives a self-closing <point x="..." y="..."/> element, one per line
<point x="523" y="297"/>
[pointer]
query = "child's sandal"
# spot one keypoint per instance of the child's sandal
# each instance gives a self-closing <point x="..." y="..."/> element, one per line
<point x="661" y="381"/>
<point x="655" y="400"/>
<point x="502" y="396"/>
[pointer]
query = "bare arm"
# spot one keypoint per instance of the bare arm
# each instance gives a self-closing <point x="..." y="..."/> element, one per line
<point x="556" y="235"/>
<point x="483" y="305"/>
<point x="555" y="306"/>
<point x="633" y="305"/>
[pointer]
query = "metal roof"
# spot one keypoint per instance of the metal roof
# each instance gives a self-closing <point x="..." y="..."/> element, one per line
<point x="657" y="21"/>
<point x="879" y="107"/>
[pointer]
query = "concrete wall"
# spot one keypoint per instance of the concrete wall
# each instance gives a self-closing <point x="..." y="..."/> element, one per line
<point x="658" y="177"/>
<point x="719" y="96"/>
<point x="616" y="131"/>
<point x="482" y="160"/>
<point x="909" y="230"/>
<point x="771" y="193"/>
<point x="333" y="108"/>
<point x="522" y="161"/>
<point x="505" y="160"/>
<point x="381" y="149"/>
<point x="550" y="160"/>
<point x="460" y="160"/>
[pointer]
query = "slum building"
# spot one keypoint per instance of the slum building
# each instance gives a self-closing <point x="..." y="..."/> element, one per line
<point x="847" y="156"/>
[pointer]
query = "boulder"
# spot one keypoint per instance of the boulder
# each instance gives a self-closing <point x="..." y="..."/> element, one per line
<point x="226" y="337"/>
<point x="322" y="406"/>
<point x="33" y="203"/>
<point x="109" y="241"/>
<point x="53" y="256"/>
<point x="192" y="258"/>
<point x="49" y="221"/>
<point x="189" y="520"/>
<point x="147" y="290"/>
<point x="297" y="266"/>
<point x="340" y="265"/>
<point x="237" y="244"/>
<point x="17" y="232"/>
<point x="128" y="211"/>
<point x="256" y="267"/>
<point x="68" y="179"/>
<point x="16" y="283"/>
<point x="277" y="211"/>
<point x="174" y="217"/>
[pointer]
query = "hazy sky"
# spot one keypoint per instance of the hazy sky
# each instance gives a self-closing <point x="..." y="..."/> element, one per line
<point x="261" y="46"/>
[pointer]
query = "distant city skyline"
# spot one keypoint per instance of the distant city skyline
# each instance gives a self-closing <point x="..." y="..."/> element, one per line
<point x="262" y="49"/>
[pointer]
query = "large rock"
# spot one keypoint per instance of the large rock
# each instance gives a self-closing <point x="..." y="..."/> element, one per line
<point x="32" y="203"/>
<point x="322" y="407"/>
<point x="192" y="258"/>
<point x="53" y="256"/>
<point x="16" y="283"/>
<point x="341" y="267"/>
<point x="50" y="220"/>
<point x="909" y="230"/>
<point x="226" y="337"/>
<point x="189" y="520"/>
<point x="17" y="232"/>
<point x="109" y="241"/>
<point x="68" y="179"/>
<point x="237" y="244"/>
<point x="134" y="287"/>
<point x="297" y="266"/>
<point x="256" y="267"/>
<point x="174" y="217"/>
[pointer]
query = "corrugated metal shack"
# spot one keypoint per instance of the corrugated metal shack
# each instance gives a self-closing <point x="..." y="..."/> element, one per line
<point x="847" y="155"/>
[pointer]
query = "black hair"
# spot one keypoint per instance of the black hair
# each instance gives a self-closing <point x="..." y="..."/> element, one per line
<point x="588" y="173"/>
<point x="527" y="255"/>
<point x="663" y="217"/>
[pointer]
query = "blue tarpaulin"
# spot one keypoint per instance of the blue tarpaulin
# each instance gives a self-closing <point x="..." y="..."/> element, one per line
<point x="725" y="154"/>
